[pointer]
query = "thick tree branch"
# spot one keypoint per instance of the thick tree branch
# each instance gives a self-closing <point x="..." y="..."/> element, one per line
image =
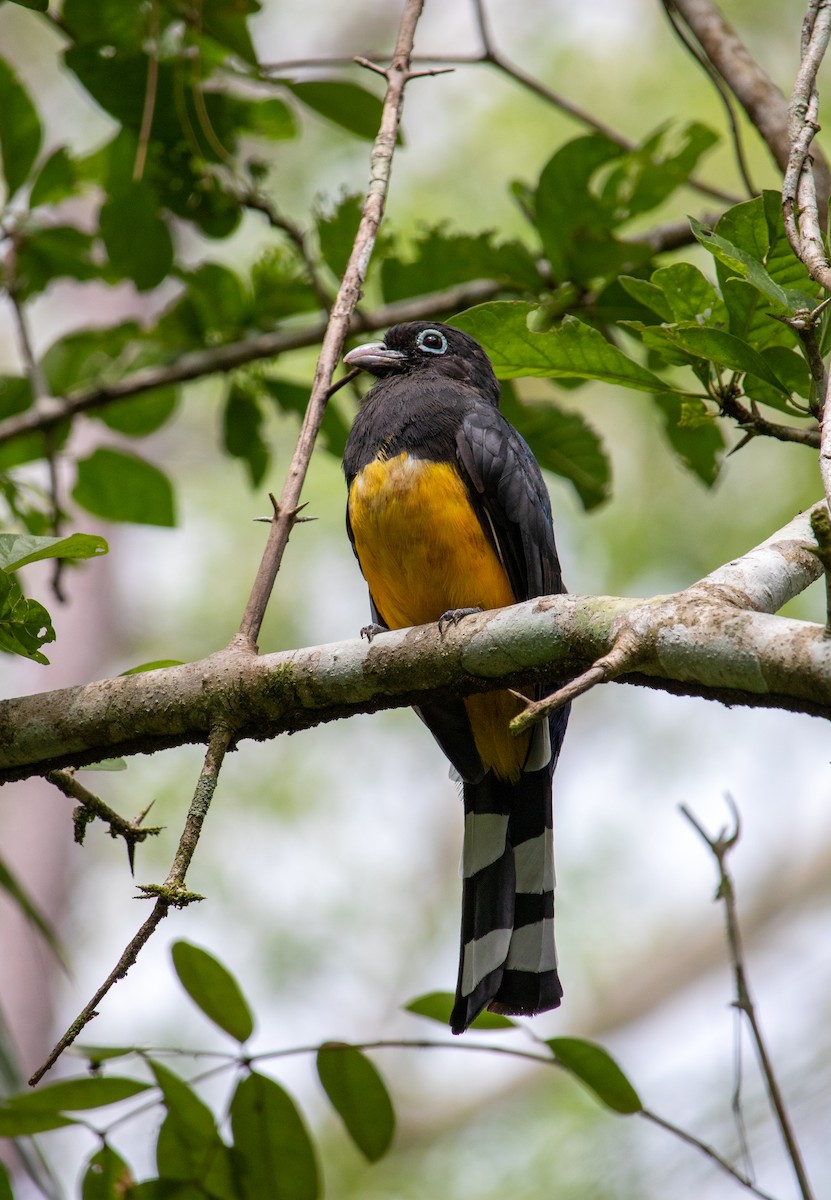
<point x="716" y="639"/>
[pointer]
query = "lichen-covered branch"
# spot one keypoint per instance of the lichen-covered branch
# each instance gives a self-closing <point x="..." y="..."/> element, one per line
<point x="718" y="638"/>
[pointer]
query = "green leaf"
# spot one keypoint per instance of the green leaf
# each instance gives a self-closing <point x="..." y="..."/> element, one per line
<point x="242" y="432"/>
<point x="272" y="1148"/>
<point x="437" y="1006"/>
<point x="694" y="435"/>
<point x="227" y="22"/>
<point x="648" y="294"/>
<point x="25" y="625"/>
<point x="157" y="665"/>
<point x="271" y="119"/>
<point x="56" y="179"/>
<point x="574" y="350"/>
<point x="74" y="1095"/>
<point x="99" y="1054"/>
<point x="20" y="130"/>
<point x="15" y="1124"/>
<point x="689" y="295"/>
<point x="294" y="398"/>
<point x="336" y="232"/>
<point x="441" y="259"/>
<point x="594" y="1067"/>
<point x="107" y="1176"/>
<point x="121" y="487"/>
<point x="189" y="1147"/>
<point x="791" y="368"/>
<point x="646" y="176"/>
<point x="17" y="549"/>
<point x="140" y="415"/>
<point x="215" y="306"/>
<point x="741" y="263"/>
<point x="280" y="288"/>
<point x="359" y="1096"/>
<point x="749" y="244"/>
<point x="6" y="1192"/>
<point x="15" y="395"/>
<point x="137" y="239"/>
<point x="105" y="23"/>
<point x="569" y="214"/>
<point x="351" y="107"/>
<point x="718" y="346"/>
<point x="13" y="887"/>
<point x="87" y="357"/>
<point x="564" y="443"/>
<point x="35" y="5"/>
<point x="49" y="254"/>
<point x="213" y="989"/>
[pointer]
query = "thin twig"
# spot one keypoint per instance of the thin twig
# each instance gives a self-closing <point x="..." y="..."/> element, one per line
<point x="755" y="425"/>
<point x="493" y="56"/>
<point x="800" y="204"/>
<point x="92" y="806"/>
<point x="753" y="88"/>
<point x="545" y="1059"/>
<point x="171" y="894"/>
<point x="707" y="1151"/>
<point x="337" y="327"/>
<point x="622" y="658"/>
<point x="712" y="74"/>
<point x="255" y="200"/>
<point x="199" y="363"/>
<point x="720" y="848"/>
<point x="150" y="93"/>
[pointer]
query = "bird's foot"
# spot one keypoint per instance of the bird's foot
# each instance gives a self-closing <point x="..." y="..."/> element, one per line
<point x="371" y="631"/>
<point x="453" y="616"/>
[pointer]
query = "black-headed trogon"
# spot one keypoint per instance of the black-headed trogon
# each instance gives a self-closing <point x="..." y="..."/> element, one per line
<point x="447" y="510"/>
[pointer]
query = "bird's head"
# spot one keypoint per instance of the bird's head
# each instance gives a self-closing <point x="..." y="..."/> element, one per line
<point x="424" y="346"/>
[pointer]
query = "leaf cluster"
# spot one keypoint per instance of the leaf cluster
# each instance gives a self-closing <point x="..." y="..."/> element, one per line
<point x="260" y="1144"/>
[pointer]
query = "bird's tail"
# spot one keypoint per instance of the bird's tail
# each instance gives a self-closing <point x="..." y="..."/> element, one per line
<point x="508" y="960"/>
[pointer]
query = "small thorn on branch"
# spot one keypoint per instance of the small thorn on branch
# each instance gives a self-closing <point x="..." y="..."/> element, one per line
<point x="370" y="65"/>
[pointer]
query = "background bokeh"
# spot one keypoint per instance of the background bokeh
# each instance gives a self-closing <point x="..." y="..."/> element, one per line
<point x="329" y="862"/>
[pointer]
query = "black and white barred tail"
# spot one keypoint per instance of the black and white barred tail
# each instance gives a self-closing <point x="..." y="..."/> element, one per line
<point x="508" y="961"/>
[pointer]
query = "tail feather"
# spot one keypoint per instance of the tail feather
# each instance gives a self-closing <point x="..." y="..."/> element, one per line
<point x="508" y="960"/>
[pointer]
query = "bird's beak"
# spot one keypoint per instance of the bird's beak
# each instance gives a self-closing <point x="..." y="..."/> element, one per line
<point x="374" y="357"/>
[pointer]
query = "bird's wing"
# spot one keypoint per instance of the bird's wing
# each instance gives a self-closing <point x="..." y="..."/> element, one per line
<point x="509" y="494"/>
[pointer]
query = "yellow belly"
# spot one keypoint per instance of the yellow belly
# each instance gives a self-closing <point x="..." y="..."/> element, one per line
<point x="423" y="552"/>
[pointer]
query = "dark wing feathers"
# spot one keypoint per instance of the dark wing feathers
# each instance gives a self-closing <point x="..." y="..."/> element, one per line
<point x="508" y="490"/>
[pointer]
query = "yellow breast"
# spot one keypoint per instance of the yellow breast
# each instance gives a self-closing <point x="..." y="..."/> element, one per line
<point x="423" y="551"/>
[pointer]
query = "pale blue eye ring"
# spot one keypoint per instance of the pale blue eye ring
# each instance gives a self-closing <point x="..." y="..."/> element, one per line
<point x="431" y="341"/>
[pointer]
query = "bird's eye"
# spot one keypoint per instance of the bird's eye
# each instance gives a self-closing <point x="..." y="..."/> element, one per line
<point x="432" y="341"/>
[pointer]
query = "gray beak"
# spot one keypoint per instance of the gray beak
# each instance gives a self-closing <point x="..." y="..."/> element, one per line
<point x="374" y="356"/>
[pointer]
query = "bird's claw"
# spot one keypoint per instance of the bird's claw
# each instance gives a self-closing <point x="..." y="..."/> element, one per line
<point x="453" y="616"/>
<point x="371" y="631"/>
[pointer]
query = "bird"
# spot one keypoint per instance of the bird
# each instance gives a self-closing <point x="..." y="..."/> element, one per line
<point x="448" y="514"/>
